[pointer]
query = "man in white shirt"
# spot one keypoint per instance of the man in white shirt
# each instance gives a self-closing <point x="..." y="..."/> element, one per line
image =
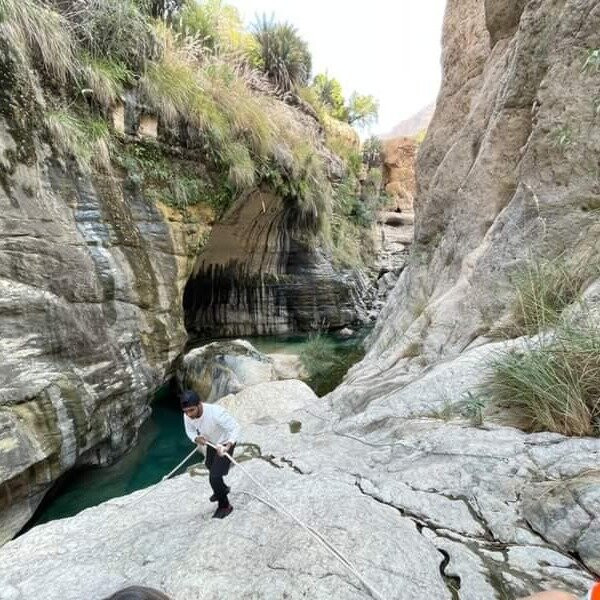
<point x="212" y="423"/>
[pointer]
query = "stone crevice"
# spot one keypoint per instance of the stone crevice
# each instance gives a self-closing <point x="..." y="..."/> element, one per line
<point x="291" y="464"/>
<point x="310" y="575"/>
<point x="452" y="581"/>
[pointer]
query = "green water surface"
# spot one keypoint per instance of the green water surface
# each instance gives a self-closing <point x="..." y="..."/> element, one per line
<point x="162" y="442"/>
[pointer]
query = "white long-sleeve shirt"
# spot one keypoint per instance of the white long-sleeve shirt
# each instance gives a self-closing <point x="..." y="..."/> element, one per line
<point x="216" y="425"/>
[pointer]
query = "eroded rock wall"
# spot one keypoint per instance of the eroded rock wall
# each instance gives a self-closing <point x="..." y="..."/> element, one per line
<point x="399" y="157"/>
<point x="255" y="277"/>
<point x="508" y="170"/>
<point x="91" y="281"/>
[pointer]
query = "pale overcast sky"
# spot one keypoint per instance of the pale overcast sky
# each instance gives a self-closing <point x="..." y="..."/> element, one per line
<point x="387" y="48"/>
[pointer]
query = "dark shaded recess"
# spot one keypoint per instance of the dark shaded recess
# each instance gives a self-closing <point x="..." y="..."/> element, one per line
<point x="213" y="293"/>
<point x="307" y="290"/>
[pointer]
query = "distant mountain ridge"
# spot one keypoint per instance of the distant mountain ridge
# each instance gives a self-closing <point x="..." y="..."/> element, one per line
<point x="413" y="125"/>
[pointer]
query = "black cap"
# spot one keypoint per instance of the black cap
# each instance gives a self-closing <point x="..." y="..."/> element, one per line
<point x="189" y="398"/>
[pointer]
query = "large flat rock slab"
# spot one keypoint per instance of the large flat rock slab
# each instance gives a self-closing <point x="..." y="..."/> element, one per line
<point x="419" y="505"/>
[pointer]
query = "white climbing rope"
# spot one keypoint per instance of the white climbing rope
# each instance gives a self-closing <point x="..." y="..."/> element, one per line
<point x="319" y="537"/>
<point x="277" y="506"/>
<point x="153" y="487"/>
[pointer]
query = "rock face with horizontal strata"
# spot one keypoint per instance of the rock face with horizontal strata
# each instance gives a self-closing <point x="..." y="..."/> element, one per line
<point x="91" y="279"/>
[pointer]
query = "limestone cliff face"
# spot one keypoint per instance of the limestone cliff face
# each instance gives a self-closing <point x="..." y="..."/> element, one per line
<point x="256" y="277"/>
<point x="91" y="280"/>
<point x="509" y="169"/>
<point x="399" y="157"/>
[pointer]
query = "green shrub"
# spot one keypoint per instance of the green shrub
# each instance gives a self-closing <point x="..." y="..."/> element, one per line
<point x="327" y="362"/>
<point x="311" y="97"/>
<point x="307" y="191"/>
<point x="592" y="61"/>
<point x="174" y="182"/>
<point x="551" y="386"/>
<point x="173" y="87"/>
<point x="371" y="193"/>
<point x="330" y="95"/>
<point x="281" y="54"/>
<point x="351" y="233"/>
<point x="362" y="110"/>
<point x="420" y="137"/>
<point x="218" y="26"/>
<point x="372" y="152"/>
<point x="250" y="117"/>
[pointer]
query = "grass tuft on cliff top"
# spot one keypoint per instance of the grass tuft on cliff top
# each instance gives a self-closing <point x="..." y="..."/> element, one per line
<point x="196" y="69"/>
<point x="40" y="34"/>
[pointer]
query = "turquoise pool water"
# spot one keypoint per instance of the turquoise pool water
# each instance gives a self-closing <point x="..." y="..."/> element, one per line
<point x="162" y="443"/>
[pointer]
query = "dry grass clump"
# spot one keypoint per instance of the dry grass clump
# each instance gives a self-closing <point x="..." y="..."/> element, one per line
<point x="105" y="79"/>
<point x="553" y="385"/>
<point x="115" y="30"/>
<point x="84" y="139"/>
<point x="40" y="35"/>
<point x="544" y="288"/>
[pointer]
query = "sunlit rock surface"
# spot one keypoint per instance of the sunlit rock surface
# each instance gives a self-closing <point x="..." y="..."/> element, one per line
<point x="421" y="507"/>
<point x="228" y="366"/>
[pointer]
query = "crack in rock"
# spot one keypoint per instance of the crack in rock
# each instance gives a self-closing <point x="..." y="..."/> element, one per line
<point x="452" y="581"/>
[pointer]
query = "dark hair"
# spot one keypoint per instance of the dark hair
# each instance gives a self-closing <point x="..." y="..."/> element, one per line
<point x="137" y="592"/>
<point x="189" y="398"/>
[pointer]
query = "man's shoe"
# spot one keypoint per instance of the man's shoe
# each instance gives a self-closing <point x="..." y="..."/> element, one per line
<point x="214" y="498"/>
<point x="221" y="513"/>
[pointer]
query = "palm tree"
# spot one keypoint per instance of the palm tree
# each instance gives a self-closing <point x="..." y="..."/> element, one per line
<point x="281" y="53"/>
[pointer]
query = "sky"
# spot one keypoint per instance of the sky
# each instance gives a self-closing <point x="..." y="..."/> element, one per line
<point x="388" y="48"/>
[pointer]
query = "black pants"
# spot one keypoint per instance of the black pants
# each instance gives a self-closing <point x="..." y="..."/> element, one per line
<point x="218" y="467"/>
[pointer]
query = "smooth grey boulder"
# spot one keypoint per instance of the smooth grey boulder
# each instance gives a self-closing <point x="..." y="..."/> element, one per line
<point x="228" y="366"/>
<point x="225" y="367"/>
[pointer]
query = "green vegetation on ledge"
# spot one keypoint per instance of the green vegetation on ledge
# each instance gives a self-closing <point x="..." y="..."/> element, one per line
<point x="553" y="384"/>
<point x="192" y="66"/>
<point x="327" y="361"/>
